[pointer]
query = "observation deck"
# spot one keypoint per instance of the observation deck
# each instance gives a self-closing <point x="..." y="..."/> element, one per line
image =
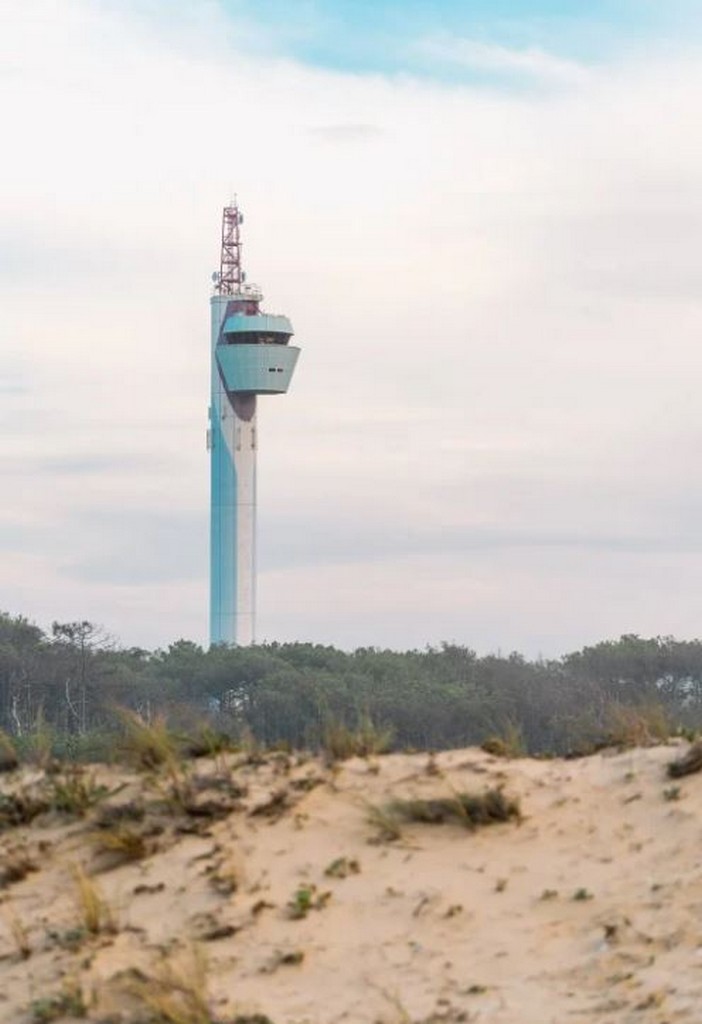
<point x="259" y="369"/>
<point x="269" y="329"/>
<point x="253" y="354"/>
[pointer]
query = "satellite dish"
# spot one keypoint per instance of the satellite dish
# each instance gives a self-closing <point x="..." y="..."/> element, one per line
<point x="215" y="277"/>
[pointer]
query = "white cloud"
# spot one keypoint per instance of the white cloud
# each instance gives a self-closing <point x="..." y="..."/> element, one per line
<point x="478" y="56"/>
<point x="497" y="301"/>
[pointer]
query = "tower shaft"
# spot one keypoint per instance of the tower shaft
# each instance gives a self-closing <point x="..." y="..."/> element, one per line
<point x="250" y="356"/>
<point x="233" y="506"/>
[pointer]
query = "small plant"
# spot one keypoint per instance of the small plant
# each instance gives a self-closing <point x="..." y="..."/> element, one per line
<point x="549" y="894"/>
<point x="9" y="759"/>
<point x="224" y="879"/>
<point x="671" y="793"/>
<point x="342" y="867"/>
<point x="251" y="1018"/>
<point x="688" y="764"/>
<point x="306" y="898"/>
<point x="95" y="913"/>
<point x="284" y="958"/>
<point x="580" y="895"/>
<point x="68" y="1003"/>
<point x="71" y="939"/>
<point x="501" y="884"/>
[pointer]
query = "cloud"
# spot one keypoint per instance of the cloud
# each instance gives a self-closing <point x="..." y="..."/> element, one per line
<point x="503" y="62"/>
<point x="495" y="294"/>
<point x="345" y="132"/>
<point x="138" y="548"/>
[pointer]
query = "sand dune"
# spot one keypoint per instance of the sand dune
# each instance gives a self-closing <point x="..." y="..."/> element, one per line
<point x="268" y="887"/>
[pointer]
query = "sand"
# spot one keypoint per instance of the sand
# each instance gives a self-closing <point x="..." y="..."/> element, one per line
<point x="588" y="909"/>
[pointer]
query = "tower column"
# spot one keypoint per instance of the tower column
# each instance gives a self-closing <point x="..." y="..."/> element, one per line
<point x="250" y="356"/>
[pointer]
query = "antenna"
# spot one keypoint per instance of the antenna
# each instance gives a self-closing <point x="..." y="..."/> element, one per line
<point x="231" y="276"/>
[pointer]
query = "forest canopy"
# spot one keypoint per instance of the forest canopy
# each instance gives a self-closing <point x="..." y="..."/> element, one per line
<point x="72" y="680"/>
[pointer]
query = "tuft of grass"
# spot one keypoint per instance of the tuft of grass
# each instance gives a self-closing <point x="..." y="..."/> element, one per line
<point x="15" y="868"/>
<point x="284" y="958"/>
<point x="110" y="815"/>
<point x="637" y="725"/>
<point x="96" y="914"/>
<point x="122" y="843"/>
<point x="671" y="793"/>
<point x="509" y="742"/>
<point x="386" y="824"/>
<point x="251" y="1018"/>
<point x="20" y="935"/>
<point x="40" y="742"/>
<point x="72" y="792"/>
<point x="148" y="745"/>
<point x="340" y="743"/>
<point x="581" y="895"/>
<point x="176" y="992"/>
<point x="274" y="806"/>
<point x="9" y="759"/>
<point x="21" y="808"/>
<point x="472" y="810"/>
<point x="207" y="742"/>
<point x="67" y="1003"/>
<point x="688" y="764"/>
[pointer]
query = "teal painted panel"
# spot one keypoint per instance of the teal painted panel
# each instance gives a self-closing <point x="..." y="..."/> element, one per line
<point x="263" y="369"/>
<point x="223" y="534"/>
<point x="264" y="322"/>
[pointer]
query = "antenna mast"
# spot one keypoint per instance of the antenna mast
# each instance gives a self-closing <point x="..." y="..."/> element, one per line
<point x="231" y="276"/>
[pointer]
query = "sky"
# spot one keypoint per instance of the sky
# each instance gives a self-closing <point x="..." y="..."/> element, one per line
<point x="483" y="219"/>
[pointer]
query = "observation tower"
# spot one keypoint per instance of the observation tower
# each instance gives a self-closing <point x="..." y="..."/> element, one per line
<point x="251" y="356"/>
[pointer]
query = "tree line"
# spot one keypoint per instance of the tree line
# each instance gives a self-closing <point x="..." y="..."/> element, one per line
<point x="71" y="680"/>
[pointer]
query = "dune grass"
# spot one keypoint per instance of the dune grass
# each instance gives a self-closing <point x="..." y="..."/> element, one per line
<point x="95" y="913"/>
<point x="471" y="810"/>
<point x="175" y="992"/>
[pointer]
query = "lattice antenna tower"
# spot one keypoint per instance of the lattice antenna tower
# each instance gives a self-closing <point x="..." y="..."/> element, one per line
<point x="231" y="277"/>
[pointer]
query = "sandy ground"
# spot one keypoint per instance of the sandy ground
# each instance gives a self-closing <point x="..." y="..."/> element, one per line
<point x="589" y="909"/>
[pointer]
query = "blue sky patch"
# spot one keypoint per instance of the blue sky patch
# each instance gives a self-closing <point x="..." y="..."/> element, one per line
<point x="428" y="38"/>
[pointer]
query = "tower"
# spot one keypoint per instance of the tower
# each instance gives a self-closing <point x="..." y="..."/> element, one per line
<point x="250" y="357"/>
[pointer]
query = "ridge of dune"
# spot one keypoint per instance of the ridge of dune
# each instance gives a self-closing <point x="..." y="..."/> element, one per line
<point x="589" y="908"/>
